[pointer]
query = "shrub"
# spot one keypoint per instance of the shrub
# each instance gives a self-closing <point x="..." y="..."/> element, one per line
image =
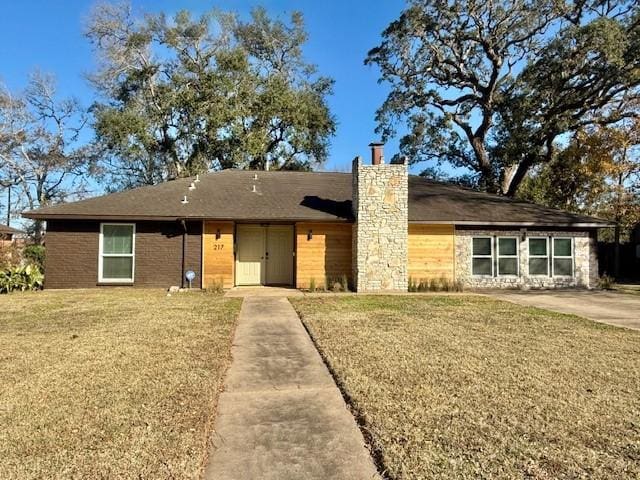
<point x="312" y="285"/>
<point x="216" y="287"/>
<point x="445" y="284"/>
<point x="345" y="282"/>
<point x="606" y="282"/>
<point x="332" y="284"/>
<point x="435" y="285"/>
<point x="35" y="254"/>
<point x="21" y="278"/>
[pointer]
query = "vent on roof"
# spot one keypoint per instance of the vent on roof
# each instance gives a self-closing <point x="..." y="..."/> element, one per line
<point x="254" y="189"/>
<point x="255" y="176"/>
<point x="185" y="200"/>
<point x="192" y="186"/>
<point x="197" y="179"/>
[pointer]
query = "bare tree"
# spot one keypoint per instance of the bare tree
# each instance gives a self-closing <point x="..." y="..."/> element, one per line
<point x="38" y="145"/>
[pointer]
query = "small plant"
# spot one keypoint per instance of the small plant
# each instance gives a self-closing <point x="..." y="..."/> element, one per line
<point x="445" y="284"/>
<point x="336" y="287"/>
<point x="312" y="285"/>
<point x="458" y="286"/>
<point x="433" y="285"/>
<point x="606" y="282"/>
<point x="21" y="279"/>
<point x="329" y="283"/>
<point x="216" y="287"/>
<point x="345" y="282"/>
<point x="412" y="287"/>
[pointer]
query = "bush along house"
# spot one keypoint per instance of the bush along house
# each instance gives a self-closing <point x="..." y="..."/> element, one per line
<point x="378" y="226"/>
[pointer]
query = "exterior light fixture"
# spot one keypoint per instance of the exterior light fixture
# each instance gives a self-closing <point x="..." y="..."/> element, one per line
<point x="218" y="234"/>
<point x="310" y="235"/>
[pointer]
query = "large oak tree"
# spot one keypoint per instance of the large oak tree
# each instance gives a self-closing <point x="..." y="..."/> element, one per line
<point x="185" y="95"/>
<point x="491" y="85"/>
<point x="596" y="173"/>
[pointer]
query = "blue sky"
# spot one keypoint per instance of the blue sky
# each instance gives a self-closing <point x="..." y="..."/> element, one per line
<point x="47" y="35"/>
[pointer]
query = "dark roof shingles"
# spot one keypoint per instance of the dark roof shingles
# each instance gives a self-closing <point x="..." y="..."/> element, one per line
<point x="312" y="196"/>
<point x="5" y="229"/>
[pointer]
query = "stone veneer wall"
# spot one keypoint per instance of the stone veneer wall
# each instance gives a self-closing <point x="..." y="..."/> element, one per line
<point x="380" y="232"/>
<point x="585" y="260"/>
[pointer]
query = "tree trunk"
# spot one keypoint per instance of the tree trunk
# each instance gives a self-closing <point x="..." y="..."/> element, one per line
<point x="616" y="251"/>
<point x="487" y="172"/>
<point x="510" y="185"/>
<point x="37" y="231"/>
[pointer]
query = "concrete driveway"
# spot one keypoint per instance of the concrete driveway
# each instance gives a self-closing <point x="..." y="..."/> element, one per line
<point x="620" y="309"/>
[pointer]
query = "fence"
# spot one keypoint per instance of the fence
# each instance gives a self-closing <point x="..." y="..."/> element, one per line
<point x="629" y="260"/>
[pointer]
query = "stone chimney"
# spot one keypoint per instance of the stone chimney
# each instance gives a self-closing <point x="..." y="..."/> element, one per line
<point x="380" y="208"/>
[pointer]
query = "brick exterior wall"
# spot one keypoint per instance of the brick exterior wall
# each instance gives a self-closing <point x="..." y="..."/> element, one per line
<point x="72" y="253"/>
<point x="380" y="203"/>
<point x="585" y="260"/>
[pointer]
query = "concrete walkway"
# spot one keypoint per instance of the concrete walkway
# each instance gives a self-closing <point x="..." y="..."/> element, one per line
<point x="619" y="309"/>
<point x="281" y="415"/>
<point x="242" y="292"/>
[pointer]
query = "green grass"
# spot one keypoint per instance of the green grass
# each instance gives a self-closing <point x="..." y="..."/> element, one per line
<point x="470" y="387"/>
<point x="110" y="383"/>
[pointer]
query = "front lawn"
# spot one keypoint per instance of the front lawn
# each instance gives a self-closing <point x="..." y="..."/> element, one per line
<point x="110" y="384"/>
<point x="470" y="387"/>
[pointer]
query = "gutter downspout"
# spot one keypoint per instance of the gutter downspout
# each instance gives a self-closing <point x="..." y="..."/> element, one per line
<point x="183" y="222"/>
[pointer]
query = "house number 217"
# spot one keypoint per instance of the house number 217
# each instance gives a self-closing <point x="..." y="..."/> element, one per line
<point x="218" y="246"/>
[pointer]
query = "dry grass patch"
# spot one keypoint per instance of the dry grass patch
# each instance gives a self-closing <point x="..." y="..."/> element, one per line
<point x="470" y="387"/>
<point x="109" y="384"/>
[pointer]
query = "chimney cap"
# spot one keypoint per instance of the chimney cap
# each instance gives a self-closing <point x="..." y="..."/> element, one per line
<point x="376" y="144"/>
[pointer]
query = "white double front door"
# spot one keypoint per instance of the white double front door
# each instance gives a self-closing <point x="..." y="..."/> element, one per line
<point x="264" y="255"/>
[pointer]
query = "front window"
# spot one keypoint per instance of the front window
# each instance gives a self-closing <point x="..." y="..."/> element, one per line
<point x="562" y="257"/>
<point x="507" y="256"/>
<point x="117" y="247"/>
<point x="482" y="262"/>
<point x="538" y="256"/>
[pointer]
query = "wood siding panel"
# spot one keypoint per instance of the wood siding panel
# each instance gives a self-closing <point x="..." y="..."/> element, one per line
<point x="327" y="254"/>
<point x="218" y="255"/>
<point x="431" y="251"/>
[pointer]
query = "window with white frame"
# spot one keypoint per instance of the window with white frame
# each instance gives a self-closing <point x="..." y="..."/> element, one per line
<point x="562" y="257"/>
<point x="482" y="256"/>
<point x="508" y="256"/>
<point x="117" y="252"/>
<point x="538" y="256"/>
